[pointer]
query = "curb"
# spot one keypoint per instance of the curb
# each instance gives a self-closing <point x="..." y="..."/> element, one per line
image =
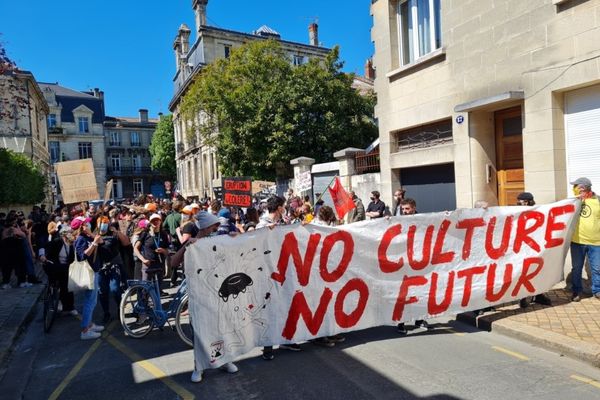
<point x="583" y="351"/>
<point x="16" y="323"/>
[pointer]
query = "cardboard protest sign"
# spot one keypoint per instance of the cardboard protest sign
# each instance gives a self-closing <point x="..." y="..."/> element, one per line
<point x="77" y="180"/>
<point x="303" y="181"/>
<point x="294" y="283"/>
<point x="237" y="191"/>
<point x="262" y="186"/>
<point x="108" y="190"/>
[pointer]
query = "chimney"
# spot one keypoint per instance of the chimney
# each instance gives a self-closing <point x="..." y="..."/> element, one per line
<point x="313" y="34"/>
<point x="160" y="115"/>
<point x="143" y="115"/>
<point x="199" y="7"/>
<point x="369" y="70"/>
<point x="96" y="92"/>
<point x="184" y="39"/>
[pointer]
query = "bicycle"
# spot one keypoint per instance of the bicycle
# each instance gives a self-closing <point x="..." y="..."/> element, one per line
<point x="51" y="298"/>
<point x="141" y="310"/>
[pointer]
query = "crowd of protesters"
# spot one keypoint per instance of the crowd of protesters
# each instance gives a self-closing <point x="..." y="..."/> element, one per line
<point x="124" y="241"/>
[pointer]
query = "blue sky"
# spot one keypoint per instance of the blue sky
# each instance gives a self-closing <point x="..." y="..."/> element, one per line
<point x="125" y="47"/>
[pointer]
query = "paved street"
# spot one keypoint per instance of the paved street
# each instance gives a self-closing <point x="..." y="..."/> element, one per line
<point x="454" y="361"/>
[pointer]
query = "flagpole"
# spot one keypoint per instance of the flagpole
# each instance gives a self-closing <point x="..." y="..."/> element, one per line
<point x="326" y="188"/>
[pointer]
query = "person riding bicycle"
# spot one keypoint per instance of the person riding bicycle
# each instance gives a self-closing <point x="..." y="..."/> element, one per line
<point x="56" y="257"/>
<point x="152" y="248"/>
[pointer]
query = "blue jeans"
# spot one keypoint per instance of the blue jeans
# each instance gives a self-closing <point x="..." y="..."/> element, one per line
<point x="578" y="253"/>
<point x="90" y="297"/>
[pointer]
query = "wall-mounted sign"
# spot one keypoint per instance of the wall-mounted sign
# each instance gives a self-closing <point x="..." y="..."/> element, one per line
<point x="460" y="119"/>
<point x="237" y="191"/>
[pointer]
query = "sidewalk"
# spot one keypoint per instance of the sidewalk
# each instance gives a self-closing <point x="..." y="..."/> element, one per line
<point x="569" y="328"/>
<point x="17" y="306"/>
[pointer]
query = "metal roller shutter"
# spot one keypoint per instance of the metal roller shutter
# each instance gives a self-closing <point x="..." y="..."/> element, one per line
<point x="582" y="131"/>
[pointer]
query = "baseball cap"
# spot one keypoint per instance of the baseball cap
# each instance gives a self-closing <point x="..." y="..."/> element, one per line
<point x="195" y="206"/>
<point x="525" y="196"/>
<point x="188" y="210"/>
<point x="150" y="207"/>
<point x="78" y="221"/>
<point x="205" y="219"/>
<point x="154" y="216"/>
<point x="143" y="223"/>
<point x="582" y="181"/>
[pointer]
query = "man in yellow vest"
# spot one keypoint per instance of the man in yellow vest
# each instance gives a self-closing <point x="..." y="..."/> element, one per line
<point x="586" y="238"/>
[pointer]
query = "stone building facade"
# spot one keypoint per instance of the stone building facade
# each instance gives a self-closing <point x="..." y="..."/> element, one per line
<point x="128" y="159"/>
<point x="197" y="164"/>
<point x="485" y="99"/>
<point x="23" y="111"/>
<point x="75" y="128"/>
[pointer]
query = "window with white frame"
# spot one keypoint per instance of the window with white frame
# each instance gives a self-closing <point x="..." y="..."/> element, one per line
<point x="51" y="120"/>
<point x="54" y="151"/>
<point x="136" y="163"/>
<point x="298" y="60"/>
<point x="84" y="124"/>
<point x="115" y="162"/>
<point x="138" y="186"/>
<point x="85" y="150"/>
<point x="134" y="138"/>
<point x="115" y="138"/>
<point x="419" y="29"/>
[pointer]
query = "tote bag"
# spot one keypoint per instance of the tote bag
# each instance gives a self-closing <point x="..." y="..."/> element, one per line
<point x="81" y="276"/>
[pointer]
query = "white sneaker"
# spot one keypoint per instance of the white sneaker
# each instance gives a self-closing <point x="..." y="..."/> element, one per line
<point x="72" y="312"/>
<point x="89" y="335"/>
<point x="25" y="285"/>
<point x="96" y="328"/>
<point x="229" y="367"/>
<point x="6" y="286"/>
<point x="196" y="376"/>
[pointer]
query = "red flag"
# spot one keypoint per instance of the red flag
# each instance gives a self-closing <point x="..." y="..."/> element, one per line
<point x="341" y="199"/>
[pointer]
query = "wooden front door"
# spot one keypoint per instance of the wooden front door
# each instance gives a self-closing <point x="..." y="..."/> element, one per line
<point x="509" y="155"/>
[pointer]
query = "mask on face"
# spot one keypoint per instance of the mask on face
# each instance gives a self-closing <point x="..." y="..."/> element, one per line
<point x="88" y="226"/>
<point x="372" y="198"/>
<point x="576" y="191"/>
<point x="103" y="228"/>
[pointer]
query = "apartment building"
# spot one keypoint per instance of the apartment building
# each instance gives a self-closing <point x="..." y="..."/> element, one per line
<point x="485" y="99"/>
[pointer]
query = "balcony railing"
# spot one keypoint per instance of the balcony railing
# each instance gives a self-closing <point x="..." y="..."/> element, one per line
<point x="55" y="130"/>
<point x="114" y="144"/>
<point x="367" y="163"/>
<point x="124" y="171"/>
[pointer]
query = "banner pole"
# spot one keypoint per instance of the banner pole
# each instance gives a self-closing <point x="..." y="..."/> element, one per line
<point x="326" y="188"/>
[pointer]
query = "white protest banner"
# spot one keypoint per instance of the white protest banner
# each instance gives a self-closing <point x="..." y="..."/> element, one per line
<point x="303" y="181"/>
<point x="293" y="283"/>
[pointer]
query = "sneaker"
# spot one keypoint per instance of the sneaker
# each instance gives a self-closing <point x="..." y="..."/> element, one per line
<point x="268" y="354"/>
<point x="196" y="376"/>
<point x="576" y="297"/>
<point x="524" y="302"/>
<point x="229" y="367"/>
<point x="25" y="285"/>
<point x="291" y="346"/>
<point x="73" y="312"/>
<point x="337" y="338"/>
<point x="6" y="286"/>
<point x="543" y="299"/>
<point x="323" y="341"/>
<point x="90" y="335"/>
<point x="96" y="328"/>
<point x="402" y="329"/>
<point x="421" y="323"/>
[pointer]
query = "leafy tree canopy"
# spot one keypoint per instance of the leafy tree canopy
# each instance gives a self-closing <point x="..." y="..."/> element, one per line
<point x="267" y="111"/>
<point x="21" y="182"/>
<point x="162" y="147"/>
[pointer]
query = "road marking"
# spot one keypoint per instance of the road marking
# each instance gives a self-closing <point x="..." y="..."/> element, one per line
<point x="73" y="373"/>
<point x="511" y="353"/>
<point x="151" y="369"/>
<point x="586" y="380"/>
<point x="457" y="333"/>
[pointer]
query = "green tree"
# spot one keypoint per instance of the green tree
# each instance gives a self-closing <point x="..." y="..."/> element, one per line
<point x="21" y="182"/>
<point x="162" y="147"/>
<point x="267" y="111"/>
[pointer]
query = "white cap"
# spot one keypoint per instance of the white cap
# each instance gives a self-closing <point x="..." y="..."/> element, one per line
<point x="154" y="216"/>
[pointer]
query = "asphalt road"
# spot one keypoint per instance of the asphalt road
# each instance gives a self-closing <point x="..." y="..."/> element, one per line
<point x="454" y="361"/>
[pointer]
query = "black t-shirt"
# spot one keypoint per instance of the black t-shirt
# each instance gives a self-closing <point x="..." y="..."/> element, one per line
<point x="191" y="229"/>
<point x="109" y="250"/>
<point x="152" y="242"/>
<point x="377" y="207"/>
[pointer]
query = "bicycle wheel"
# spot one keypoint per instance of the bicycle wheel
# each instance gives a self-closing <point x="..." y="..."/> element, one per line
<point x="183" y="322"/>
<point x="137" y="311"/>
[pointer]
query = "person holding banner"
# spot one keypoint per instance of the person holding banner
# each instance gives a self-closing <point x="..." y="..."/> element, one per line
<point x="408" y="206"/>
<point x="586" y="238"/>
<point x="274" y="216"/>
